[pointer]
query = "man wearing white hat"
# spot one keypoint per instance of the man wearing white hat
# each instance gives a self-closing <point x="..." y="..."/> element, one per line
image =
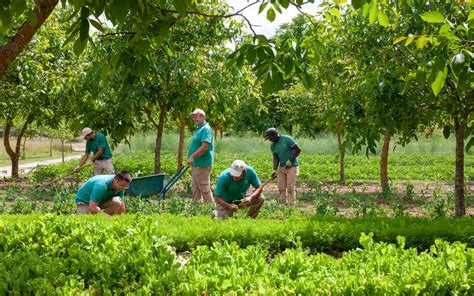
<point x="102" y="155"/>
<point x="201" y="157"/>
<point x="231" y="191"/>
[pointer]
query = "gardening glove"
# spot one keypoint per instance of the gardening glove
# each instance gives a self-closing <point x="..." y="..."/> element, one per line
<point x="90" y="162"/>
<point x="288" y="163"/>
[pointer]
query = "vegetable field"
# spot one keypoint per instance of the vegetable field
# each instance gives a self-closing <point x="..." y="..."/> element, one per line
<point x="143" y="255"/>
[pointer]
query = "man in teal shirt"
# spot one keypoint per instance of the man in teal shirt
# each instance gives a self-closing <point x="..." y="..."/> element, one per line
<point x="102" y="155"/>
<point x="201" y="157"/>
<point x="231" y="191"/>
<point x="103" y="193"/>
<point x="285" y="152"/>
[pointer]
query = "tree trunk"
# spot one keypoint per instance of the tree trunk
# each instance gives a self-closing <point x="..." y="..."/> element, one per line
<point x="182" y="129"/>
<point x="459" y="203"/>
<point x="342" y="175"/>
<point x="50" y="147"/>
<point x="384" y="162"/>
<point x="62" y="149"/>
<point x="10" y="51"/>
<point x="23" y="148"/>
<point x="14" y="154"/>
<point x="159" y="138"/>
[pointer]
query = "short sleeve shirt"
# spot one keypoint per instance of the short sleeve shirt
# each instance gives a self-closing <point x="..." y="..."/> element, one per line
<point x="202" y="134"/>
<point x="284" y="149"/>
<point x="230" y="190"/>
<point x="97" y="189"/>
<point x="99" y="141"/>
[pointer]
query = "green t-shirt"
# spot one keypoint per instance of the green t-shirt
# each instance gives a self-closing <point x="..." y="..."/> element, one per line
<point x="202" y="134"/>
<point x="284" y="149"/>
<point x="99" y="142"/>
<point x="230" y="190"/>
<point x="97" y="189"/>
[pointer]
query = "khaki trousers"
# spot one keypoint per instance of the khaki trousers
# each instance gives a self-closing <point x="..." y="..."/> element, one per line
<point x="103" y="166"/>
<point x="286" y="180"/>
<point x="201" y="184"/>
<point x="111" y="206"/>
<point x="254" y="209"/>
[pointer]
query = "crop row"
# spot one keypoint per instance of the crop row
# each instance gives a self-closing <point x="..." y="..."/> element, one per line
<point x="96" y="255"/>
<point x="330" y="234"/>
<point x="313" y="166"/>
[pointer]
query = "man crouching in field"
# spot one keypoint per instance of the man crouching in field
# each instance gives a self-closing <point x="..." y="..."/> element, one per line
<point x="103" y="193"/>
<point x="231" y="190"/>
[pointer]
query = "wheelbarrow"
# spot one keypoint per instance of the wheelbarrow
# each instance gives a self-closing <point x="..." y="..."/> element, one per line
<point x="147" y="186"/>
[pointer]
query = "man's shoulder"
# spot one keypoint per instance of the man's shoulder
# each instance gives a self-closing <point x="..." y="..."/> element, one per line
<point x="101" y="179"/>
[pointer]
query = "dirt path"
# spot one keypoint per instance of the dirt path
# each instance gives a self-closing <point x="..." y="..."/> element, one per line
<point x="6" y="171"/>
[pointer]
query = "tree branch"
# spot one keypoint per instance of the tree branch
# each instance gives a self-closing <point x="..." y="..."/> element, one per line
<point x="150" y="117"/>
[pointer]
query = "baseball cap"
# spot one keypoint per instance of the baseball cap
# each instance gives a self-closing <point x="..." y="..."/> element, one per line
<point x="86" y="131"/>
<point x="270" y="132"/>
<point x="198" y="111"/>
<point x="237" y="167"/>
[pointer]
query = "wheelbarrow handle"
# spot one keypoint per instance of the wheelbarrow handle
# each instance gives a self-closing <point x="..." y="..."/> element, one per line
<point x="174" y="179"/>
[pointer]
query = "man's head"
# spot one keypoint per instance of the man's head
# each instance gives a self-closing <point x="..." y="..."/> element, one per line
<point x="121" y="181"/>
<point x="87" y="133"/>
<point x="237" y="169"/>
<point x="198" y="116"/>
<point x="272" y="134"/>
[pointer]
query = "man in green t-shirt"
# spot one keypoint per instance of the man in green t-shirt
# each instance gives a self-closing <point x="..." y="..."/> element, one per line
<point x="103" y="193"/>
<point x="231" y="191"/>
<point x="285" y="152"/>
<point x="201" y="157"/>
<point x="102" y="155"/>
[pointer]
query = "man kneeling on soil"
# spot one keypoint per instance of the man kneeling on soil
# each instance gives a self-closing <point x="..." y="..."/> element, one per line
<point x="231" y="191"/>
<point x="103" y="193"/>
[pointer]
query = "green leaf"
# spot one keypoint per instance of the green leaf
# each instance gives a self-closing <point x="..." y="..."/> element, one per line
<point x="284" y="3"/>
<point x="277" y="7"/>
<point x="119" y="10"/>
<point x="420" y="78"/>
<point x="18" y="6"/>
<point x="409" y="40"/>
<point x="358" y="3"/>
<point x="271" y="14"/>
<point x="438" y="83"/>
<point x="383" y="19"/>
<point x="262" y="7"/>
<point x="444" y="28"/>
<point x="334" y="11"/>
<point x="433" y="17"/>
<point x="79" y="46"/>
<point x="84" y="30"/>
<point x="399" y="39"/>
<point x="446" y="131"/>
<point x="299" y="2"/>
<point x="471" y="16"/>
<point x="421" y="42"/>
<point x="97" y="25"/>
<point x="142" y="6"/>
<point x="373" y="13"/>
<point x="181" y="6"/>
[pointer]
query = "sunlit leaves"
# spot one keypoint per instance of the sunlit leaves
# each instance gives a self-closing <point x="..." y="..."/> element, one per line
<point x="433" y="17"/>
<point x="440" y="78"/>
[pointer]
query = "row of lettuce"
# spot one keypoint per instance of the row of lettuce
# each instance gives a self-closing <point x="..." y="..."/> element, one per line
<point x="318" y="234"/>
<point x="312" y="166"/>
<point x="47" y="255"/>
